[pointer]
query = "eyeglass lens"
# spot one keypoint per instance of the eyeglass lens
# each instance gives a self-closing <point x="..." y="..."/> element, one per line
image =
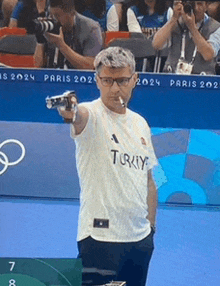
<point x="123" y="81"/>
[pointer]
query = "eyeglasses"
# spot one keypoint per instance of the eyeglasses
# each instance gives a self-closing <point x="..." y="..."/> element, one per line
<point x="109" y="81"/>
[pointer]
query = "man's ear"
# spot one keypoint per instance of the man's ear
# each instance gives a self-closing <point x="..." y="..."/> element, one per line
<point x="97" y="81"/>
<point x="136" y="77"/>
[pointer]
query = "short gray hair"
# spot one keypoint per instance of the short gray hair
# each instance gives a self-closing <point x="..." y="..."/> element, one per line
<point x="114" y="57"/>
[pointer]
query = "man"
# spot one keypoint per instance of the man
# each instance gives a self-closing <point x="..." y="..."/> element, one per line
<point x="79" y="40"/>
<point x="114" y="156"/>
<point x="194" y="40"/>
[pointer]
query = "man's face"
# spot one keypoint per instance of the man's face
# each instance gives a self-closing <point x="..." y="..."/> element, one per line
<point x="199" y="10"/>
<point x="110" y="94"/>
<point x="66" y="19"/>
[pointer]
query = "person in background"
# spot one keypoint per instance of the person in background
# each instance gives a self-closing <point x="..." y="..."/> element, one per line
<point x="78" y="42"/>
<point x="146" y="16"/>
<point x="26" y="11"/>
<point x="7" y="8"/>
<point x="115" y="159"/>
<point x="151" y="15"/>
<point x="94" y="9"/>
<point x="121" y="18"/>
<point x="193" y="39"/>
<point x="214" y="10"/>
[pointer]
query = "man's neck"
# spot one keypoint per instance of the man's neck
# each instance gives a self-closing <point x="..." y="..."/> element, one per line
<point x="205" y="17"/>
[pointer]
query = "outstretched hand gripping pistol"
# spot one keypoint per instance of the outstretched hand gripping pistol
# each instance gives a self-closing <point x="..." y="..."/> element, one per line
<point x="63" y="100"/>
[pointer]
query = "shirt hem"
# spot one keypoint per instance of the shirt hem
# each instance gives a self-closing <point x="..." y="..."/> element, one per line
<point x="105" y="239"/>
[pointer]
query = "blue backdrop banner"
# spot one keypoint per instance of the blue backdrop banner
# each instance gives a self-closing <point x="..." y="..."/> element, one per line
<point x="37" y="155"/>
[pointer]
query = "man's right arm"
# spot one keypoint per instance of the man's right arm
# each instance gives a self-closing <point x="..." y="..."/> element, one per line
<point x="164" y="33"/>
<point x="81" y="119"/>
<point x="39" y="55"/>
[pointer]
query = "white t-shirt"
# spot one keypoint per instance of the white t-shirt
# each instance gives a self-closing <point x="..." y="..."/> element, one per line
<point x="113" y="155"/>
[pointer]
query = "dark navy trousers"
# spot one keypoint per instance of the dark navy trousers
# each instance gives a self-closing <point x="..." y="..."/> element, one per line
<point x="129" y="260"/>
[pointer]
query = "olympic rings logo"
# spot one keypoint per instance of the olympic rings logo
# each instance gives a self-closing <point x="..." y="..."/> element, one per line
<point x="4" y="158"/>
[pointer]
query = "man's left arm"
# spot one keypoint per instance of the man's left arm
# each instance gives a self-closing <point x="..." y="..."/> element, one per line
<point x="152" y="200"/>
<point x="203" y="46"/>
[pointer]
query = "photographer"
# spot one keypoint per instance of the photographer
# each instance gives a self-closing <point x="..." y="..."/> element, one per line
<point x="75" y="45"/>
<point x="193" y="39"/>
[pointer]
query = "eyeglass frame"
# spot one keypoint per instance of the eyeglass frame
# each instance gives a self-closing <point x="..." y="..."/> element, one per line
<point x="116" y="80"/>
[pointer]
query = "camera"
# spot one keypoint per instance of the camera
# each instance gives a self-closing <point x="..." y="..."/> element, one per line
<point x="41" y="26"/>
<point x="188" y="7"/>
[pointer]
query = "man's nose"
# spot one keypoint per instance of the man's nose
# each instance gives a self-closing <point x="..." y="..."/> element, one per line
<point x="115" y="86"/>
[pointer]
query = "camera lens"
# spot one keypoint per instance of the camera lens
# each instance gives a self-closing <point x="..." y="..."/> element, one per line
<point x="47" y="26"/>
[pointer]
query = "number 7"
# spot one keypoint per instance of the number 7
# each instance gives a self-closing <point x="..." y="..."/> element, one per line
<point x="12" y="265"/>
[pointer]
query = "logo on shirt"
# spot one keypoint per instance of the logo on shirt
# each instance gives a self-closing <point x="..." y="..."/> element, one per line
<point x="137" y="162"/>
<point x="149" y="32"/>
<point x="143" y="142"/>
<point x="114" y="138"/>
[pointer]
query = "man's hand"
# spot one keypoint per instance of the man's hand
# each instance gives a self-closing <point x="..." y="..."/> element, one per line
<point x="68" y="114"/>
<point x="79" y="116"/>
<point x="57" y="40"/>
<point x="189" y="20"/>
<point x="177" y="9"/>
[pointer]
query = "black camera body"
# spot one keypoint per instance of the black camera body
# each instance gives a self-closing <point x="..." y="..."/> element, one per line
<point x="46" y="25"/>
<point x="188" y="7"/>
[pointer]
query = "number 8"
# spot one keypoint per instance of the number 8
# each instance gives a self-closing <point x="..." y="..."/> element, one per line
<point x="12" y="282"/>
